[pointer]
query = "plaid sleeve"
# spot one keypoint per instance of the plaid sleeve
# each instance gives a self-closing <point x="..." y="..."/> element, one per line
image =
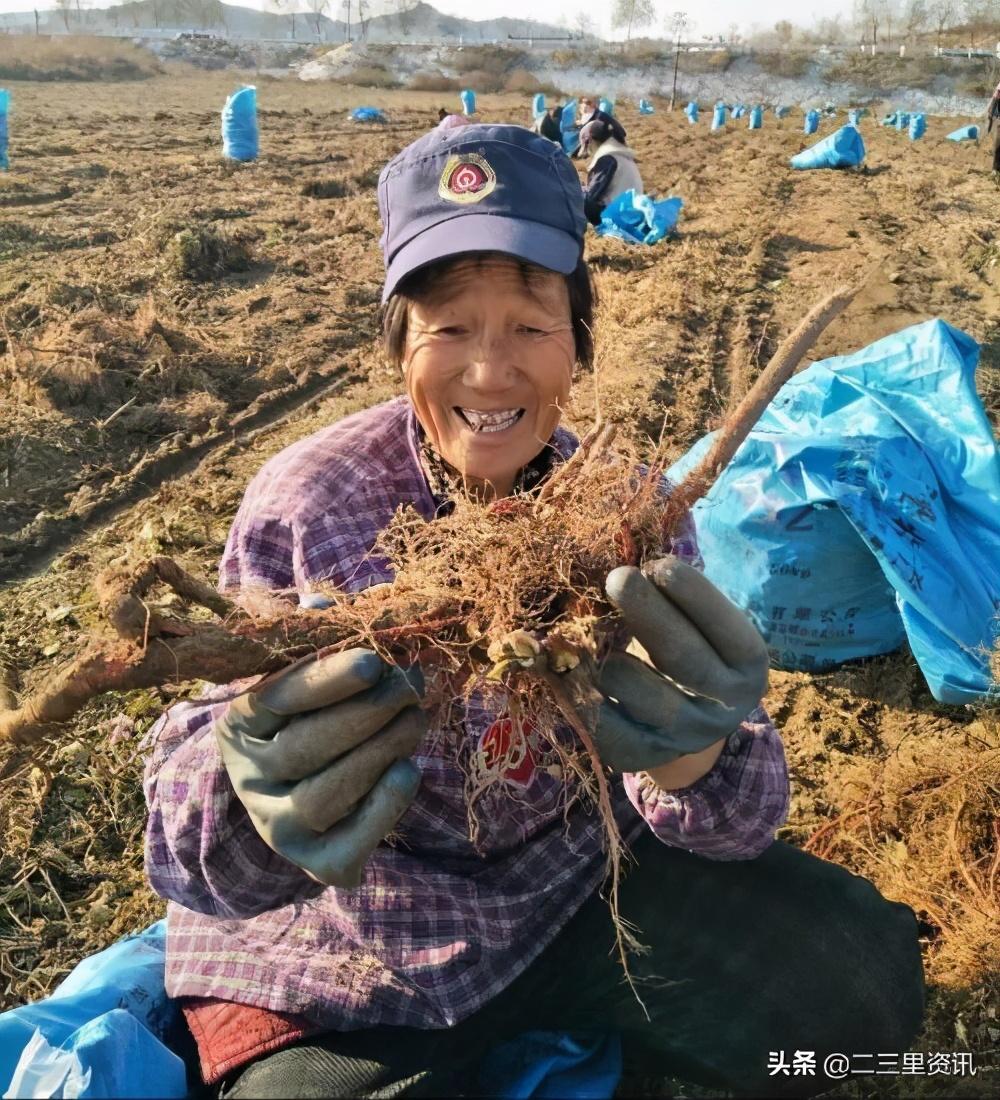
<point x="733" y="811"/>
<point x="202" y="850"/>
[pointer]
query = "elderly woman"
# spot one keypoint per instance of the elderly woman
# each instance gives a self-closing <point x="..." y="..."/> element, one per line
<point x="317" y="955"/>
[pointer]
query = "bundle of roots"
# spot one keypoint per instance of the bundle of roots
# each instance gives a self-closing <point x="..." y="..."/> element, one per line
<point x="506" y="598"/>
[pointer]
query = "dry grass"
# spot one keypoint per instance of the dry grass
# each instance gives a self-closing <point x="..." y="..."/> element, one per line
<point x="26" y="57"/>
<point x="681" y="328"/>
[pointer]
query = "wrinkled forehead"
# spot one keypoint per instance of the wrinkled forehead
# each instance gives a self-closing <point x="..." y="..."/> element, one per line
<point x="472" y="276"/>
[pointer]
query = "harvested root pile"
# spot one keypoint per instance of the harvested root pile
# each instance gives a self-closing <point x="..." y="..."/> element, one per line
<point x="506" y="597"/>
<point x="925" y="827"/>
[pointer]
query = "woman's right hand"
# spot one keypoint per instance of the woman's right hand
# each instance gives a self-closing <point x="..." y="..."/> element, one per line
<point x="319" y="756"/>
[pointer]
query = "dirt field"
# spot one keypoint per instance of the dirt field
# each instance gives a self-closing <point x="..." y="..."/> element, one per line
<point x="168" y="321"/>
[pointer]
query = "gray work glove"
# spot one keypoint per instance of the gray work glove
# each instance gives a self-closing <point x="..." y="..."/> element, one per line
<point x="318" y="755"/>
<point x="709" y="667"/>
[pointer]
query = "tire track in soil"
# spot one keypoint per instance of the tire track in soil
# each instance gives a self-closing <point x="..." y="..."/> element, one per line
<point x="724" y="304"/>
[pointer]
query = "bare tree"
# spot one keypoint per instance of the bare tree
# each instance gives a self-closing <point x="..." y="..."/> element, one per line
<point x="679" y="24"/>
<point x="915" y="17"/>
<point x="866" y="20"/>
<point x="942" y="13"/>
<point x="65" y="9"/>
<point x="584" y="25"/>
<point x="363" y="21"/>
<point x="404" y="15"/>
<point x="887" y="10"/>
<point x="632" y="13"/>
<point x="830" y="30"/>
<point x="785" y="32"/>
<point x="318" y="9"/>
<point x="346" y="6"/>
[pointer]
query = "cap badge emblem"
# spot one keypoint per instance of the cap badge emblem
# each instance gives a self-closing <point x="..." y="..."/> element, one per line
<point x="467" y="178"/>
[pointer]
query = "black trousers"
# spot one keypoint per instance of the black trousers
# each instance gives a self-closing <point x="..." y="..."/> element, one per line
<point x="782" y="953"/>
<point x="996" y="145"/>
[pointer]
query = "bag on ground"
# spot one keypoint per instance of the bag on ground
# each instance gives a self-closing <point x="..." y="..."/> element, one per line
<point x="4" y="113"/>
<point x="844" y="148"/>
<point x="864" y="509"/>
<point x="104" y="1032"/>
<point x="964" y="133"/>
<point x="639" y="218"/>
<point x="240" y="138"/>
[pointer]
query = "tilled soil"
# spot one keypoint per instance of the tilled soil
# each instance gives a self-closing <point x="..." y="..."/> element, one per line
<point x="168" y="321"/>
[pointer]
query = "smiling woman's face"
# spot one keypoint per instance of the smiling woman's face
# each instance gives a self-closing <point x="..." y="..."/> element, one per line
<point x="488" y="362"/>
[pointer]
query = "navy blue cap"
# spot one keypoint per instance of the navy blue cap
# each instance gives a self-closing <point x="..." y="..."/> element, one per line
<point x="480" y="188"/>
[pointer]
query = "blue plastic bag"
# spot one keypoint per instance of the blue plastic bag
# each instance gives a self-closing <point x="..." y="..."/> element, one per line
<point x="719" y="116"/>
<point x="104" y="1029"/>
<point x="606" y="105"/>
<point x="544" y="1064"/>
<point x="568" y="128"/>
<point x="468" y="98"/>
<point x="645" y="107"/>
<point x="811" y="124"/>
<point x="538" y="105"/>
<point x="844" y="148"/>
<point x="756" y="118"/>
<point x="889" y="120"/>
<point x="964" y="133"/>
<point x="854" y="116"/>
<point x="865" y="508"/>
<point x="739" y="111"/>
<point x="638" y="218"/>
<point x="691" y="110"/>
<point x="240" y="139"/>
<point x="782" y="112"/>
<point x="918" y="127"/>
<point x="4" y="112"/>
<point x="902" y="120"/>
<point x="367" y="114"/>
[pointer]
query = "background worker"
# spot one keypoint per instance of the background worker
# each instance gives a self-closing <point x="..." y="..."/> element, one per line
<point x="611" y="169"/>
<point x="993" y="116"/>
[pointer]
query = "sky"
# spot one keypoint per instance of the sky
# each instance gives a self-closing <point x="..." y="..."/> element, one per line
<point x="722" y="13"/>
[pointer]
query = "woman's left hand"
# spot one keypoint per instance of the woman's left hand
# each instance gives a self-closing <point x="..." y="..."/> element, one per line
<point x="708" y="667"/>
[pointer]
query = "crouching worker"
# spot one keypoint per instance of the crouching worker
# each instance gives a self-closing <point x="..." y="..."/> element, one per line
<point x="317" y="955"/>
<point x="612" y="169"/>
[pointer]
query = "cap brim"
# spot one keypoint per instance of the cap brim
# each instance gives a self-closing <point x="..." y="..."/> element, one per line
<point x="535" y="242"/>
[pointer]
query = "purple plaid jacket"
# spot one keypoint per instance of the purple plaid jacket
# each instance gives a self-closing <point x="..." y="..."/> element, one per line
<point x="438" y="927"/>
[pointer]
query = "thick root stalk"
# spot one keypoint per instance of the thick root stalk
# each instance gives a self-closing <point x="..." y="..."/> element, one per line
<point x="741" y="421"/>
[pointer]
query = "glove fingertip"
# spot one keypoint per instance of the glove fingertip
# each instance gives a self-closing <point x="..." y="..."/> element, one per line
<point x="619" y="581"/>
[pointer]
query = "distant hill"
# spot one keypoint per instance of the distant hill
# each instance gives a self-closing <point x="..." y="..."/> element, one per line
<point x="163" y="18"/>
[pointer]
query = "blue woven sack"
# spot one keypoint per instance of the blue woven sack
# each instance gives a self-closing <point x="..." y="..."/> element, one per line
<point x="4" y="112"/>
<point x="240" y="139"/>
<point x="964" y="133"/>
<point x="864" y="509"/>
<point x="811" y="124"/>
<point x="468" y="98"/>
<point x="638" y="218"/>
<point x="844" y="148"/>
<point x="756" y="118"/>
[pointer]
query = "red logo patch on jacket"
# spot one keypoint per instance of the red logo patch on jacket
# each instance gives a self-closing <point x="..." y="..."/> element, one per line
<point x="502" y="741"/>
